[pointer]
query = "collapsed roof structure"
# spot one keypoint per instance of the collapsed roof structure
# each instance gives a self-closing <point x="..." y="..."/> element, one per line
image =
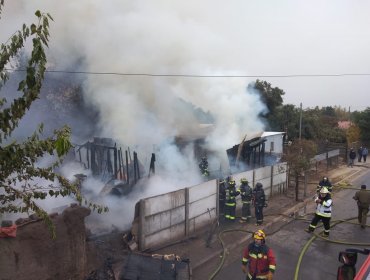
<point x="107" y="162"/>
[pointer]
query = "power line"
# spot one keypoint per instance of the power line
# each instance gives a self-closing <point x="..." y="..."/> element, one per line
<point x="197" y="75"/>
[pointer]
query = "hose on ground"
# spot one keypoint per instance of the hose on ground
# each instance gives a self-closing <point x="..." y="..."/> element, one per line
<point x="309" y="242"/>
<point x="303" y="251"/>
<point x="224" y="250"/>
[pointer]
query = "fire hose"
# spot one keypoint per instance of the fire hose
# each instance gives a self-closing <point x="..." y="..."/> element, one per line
<point x="303" y="251"/>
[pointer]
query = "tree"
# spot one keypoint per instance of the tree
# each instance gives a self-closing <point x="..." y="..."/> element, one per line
<point x="362" y="120"/>
<point x="19" y="191"/>
<point x="353" y="134"/>
<point x="298" y="157"/>
<point x="272" y="98"/>
<point x="288" y="116"/>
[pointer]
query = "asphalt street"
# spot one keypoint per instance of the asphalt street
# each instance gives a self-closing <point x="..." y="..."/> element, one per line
<point x="320" y="261"/>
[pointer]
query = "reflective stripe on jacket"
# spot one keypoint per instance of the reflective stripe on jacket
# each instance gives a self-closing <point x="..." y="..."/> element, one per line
<point x="230" y="195"/>
<point x="246" y="193"/>
<point x="260" y="260"/>
<point x="324" y="208"/>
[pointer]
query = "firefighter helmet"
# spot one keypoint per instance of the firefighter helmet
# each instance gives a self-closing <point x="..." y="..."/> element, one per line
<point x="231" y="182"/>
<point x="259" y="235"/>
<point x="324" y="190"/>
<point x="259" y="186"/>
<point x="243" y="180"/>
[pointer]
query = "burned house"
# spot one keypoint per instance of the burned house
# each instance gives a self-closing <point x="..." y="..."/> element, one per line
<point x="196" y="137"/>
<point x="256" y="151"/>
<point x="107" y="162"/>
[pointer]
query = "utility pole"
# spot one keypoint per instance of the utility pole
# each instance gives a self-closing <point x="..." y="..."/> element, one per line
<point x="349" y="114"/>
<point x="300" y="123"/>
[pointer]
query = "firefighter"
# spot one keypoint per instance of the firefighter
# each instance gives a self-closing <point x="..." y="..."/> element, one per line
<point x="259" y="202"/>
<point x="203" y="166"/>
<point x="324" y="183"/>
<point x="363" y="201"/>
<point x="221" y="196"/>
<point x="323" y="212"/>
<point x="230" y="201"/>
<point x="246" y="195"/>
<point x="258" y="259"/>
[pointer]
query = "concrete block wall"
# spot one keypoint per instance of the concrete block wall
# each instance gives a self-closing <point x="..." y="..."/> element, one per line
<point x="174" y="216"/>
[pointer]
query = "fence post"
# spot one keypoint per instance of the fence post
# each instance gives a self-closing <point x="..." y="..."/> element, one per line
<point x="271" y="179"/>
<point x="305" y="185"/>
<point x="187" y="225"/>
<point x="254" y="178"/>
<point x="218" y="200"/>
<point x="141" y="232"/>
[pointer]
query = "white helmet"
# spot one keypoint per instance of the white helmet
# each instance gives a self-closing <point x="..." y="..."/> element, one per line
<point x="324" y="190"/>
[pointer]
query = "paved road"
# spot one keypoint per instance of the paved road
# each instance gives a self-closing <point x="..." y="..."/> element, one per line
<point x="320" y="260"/>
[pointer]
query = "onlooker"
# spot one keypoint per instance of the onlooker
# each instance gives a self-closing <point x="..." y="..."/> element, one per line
<point x="352" y="156"/>
<point x="359" y="152"/>
<point x="364" y="153"/>
<point x="258" y="260"/>
<point x="363" y="201"/>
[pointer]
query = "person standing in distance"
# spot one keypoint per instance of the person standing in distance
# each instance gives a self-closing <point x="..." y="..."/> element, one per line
<point x="365" y="152"/>
<point x="363" y="201"/>
<point x="258" y="260"/>
<point x="352" y="157"/>
<point x="359" y="153"/>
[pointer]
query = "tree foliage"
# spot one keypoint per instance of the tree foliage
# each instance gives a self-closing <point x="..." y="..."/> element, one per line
<point x="362" y="120"/>
<point x="272" y="98"/>
<point x="19" y="172"/>
<point x="298" y="157"/>
<point x="353" y="134"/>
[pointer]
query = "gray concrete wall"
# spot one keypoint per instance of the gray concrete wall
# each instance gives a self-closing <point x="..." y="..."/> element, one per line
<point x="174" y="216"/>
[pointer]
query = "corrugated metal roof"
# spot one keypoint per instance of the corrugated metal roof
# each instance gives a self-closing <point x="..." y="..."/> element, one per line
<point x="271" y="133"/>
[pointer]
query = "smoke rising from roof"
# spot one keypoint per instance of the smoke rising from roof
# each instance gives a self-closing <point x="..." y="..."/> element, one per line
<point x="141" y="37"/>
<point x="160" y="37"/>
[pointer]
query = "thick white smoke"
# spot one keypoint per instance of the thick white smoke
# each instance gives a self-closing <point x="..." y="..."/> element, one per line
<point x="152" y="37"/>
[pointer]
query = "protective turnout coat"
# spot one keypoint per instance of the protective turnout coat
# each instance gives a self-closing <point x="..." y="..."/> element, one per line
<point x="260" y="260"/>
<point x="324" y="207"/>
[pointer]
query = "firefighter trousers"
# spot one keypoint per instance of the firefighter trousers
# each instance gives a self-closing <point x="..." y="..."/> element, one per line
<point x="325" y="221"/>
<point x="246" y="210"/>
<point x="230" y="211"/>
<point x="259" y="214"/>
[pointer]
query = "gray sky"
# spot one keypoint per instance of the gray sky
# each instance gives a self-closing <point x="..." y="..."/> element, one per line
<point x="239" y="37"/>
<point x="218" y="38"/>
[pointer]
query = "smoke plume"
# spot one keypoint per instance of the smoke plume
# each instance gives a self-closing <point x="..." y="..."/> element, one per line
<point x="158" y="37"/>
